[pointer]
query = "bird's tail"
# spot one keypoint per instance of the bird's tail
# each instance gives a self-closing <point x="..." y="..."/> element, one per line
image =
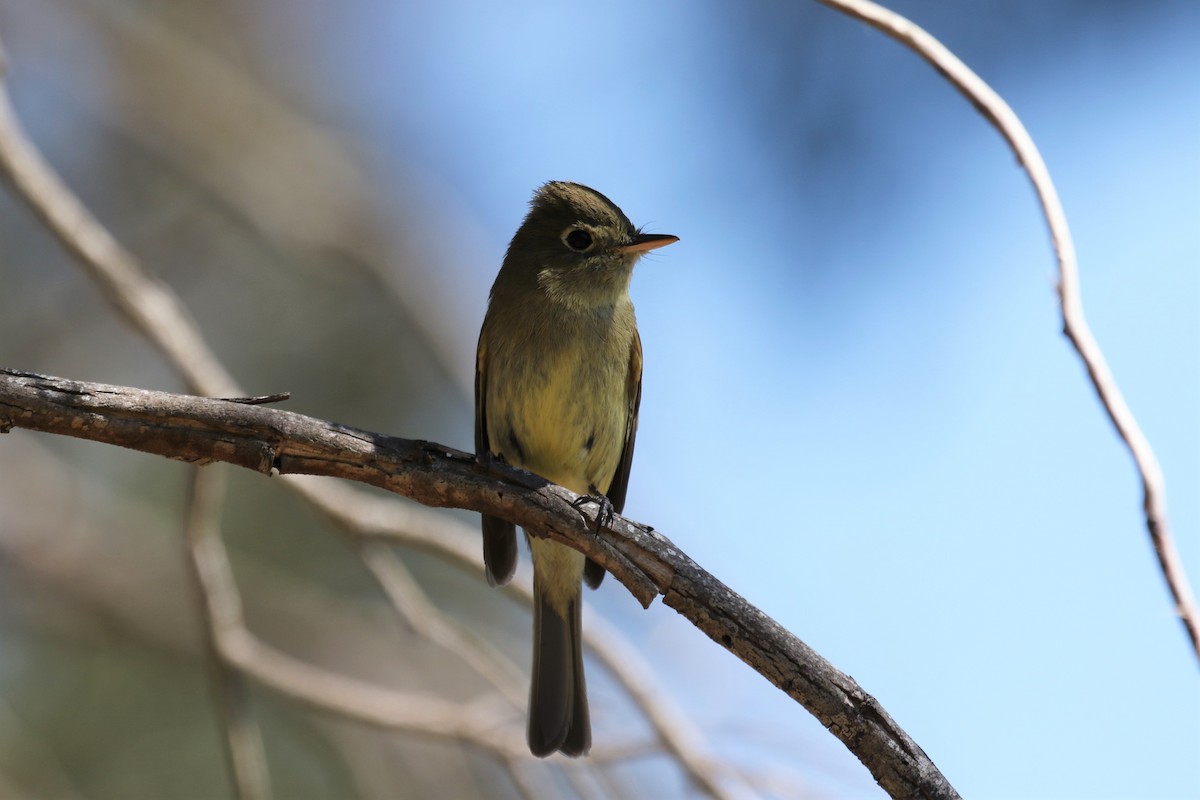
<point x="558" y="706"/>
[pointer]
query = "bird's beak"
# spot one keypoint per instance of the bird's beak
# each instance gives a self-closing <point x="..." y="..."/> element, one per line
<point x="646" y="241"/>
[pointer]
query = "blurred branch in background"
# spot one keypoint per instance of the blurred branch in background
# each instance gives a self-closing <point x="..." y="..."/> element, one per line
<point x="221" y="608"/>
<point x="283" y="172"/>
<point x="1004" y="119"/>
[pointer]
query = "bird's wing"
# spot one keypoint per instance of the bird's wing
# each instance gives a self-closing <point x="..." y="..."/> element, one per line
<point x="633" y="399"/>
<point x="593" y="573"/>
<point x="499" y="536"/>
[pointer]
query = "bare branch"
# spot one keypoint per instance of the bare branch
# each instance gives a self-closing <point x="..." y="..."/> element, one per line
<point x="417" y="713"/>
<point x="411" y="602"/>
<point x="222" y="610"/>
<point x="1075" y="326"/>
<point x="149" y="305"/>
<point x="679" y="737"/>
<point x="202" y="430"/>
<point x="269" y="440"/>
<point x="238" y="651"/>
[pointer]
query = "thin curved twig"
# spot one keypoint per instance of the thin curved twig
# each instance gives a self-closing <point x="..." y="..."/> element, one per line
<point x="410" y="600"/>
<point x="221" y="607"/>
<point x="150" y="305"/>
<point x="1075" y="326"/>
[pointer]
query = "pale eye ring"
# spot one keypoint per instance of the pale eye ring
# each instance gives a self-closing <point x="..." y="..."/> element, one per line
<point x="577" y="239"/>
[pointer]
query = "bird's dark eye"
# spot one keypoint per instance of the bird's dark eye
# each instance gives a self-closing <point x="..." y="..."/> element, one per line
<point x="578" y="239"/>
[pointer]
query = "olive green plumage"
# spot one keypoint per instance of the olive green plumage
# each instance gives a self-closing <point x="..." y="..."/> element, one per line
<point x="557" y="388"/>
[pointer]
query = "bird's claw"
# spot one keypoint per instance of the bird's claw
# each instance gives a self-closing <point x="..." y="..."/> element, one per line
<point x="605" y="512"/>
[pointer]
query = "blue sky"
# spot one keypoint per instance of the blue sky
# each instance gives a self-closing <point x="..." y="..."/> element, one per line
<point x="858" y="407"/>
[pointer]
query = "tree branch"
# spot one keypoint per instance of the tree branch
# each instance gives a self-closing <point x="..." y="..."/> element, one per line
<point x="268" y="440"/>
<point x="221" y="607"/>
<point x="1075" y="326"/>
<point x="150" y="305"/>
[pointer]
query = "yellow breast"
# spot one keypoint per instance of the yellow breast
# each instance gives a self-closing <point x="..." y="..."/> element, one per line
<point x="558" y="405"/>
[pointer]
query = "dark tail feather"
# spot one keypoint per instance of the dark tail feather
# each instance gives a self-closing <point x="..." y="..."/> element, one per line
<point x="558" y="708"/>
<point x="579" y="734"/>
<point x="499" y="550"/>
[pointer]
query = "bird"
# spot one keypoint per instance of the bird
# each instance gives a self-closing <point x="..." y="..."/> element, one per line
<point x="558" y="385"/>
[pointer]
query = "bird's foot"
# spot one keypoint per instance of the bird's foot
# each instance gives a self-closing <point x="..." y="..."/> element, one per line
<point x="605" y="512"/>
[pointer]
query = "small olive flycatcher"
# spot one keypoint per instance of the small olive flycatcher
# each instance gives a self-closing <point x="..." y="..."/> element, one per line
<point x="558" y="380"/>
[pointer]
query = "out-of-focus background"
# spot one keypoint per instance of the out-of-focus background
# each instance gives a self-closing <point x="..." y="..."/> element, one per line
<point x="858" y="408"/>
